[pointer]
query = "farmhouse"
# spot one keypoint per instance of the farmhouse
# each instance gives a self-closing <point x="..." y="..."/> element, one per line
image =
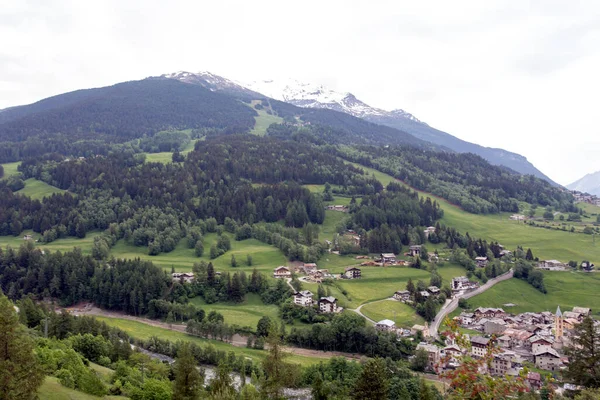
<point x="463" y="283"/>
<point x="351" y="273"/>
<point x="308" y="267"/>
<point x="434" y="290"/>
<point x="429" y="231"/>
<point x="517" y="217"/>
<point x="303" y="298"/>
<point x="424" y="294"/>
<point x="481" y="261"/>
<point x="183" y="276"/>
<point x="385" y="325"/>
<point x="337" y="207"/>
<point x="483" y="312"/>
<point x="415" y="250"/>
<point x="282" y="272"/>
<point x="27" y="237"/>
<point x="402" y="295"/>
<point x="582" y="310"/>
<point x="388" y="258"/>
<point x="328" y="304"/>
<point x="551" y="264"/>
<point x="424" y="329"/>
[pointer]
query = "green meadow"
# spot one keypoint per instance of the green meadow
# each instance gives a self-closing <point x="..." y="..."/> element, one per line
<point x="402" y="314"/>
<point x="51" y="389"/>
<point x="565" y="289"/>
<point x="142" y="331"/>
<point x="247" y="313"/>
<point x="264" y="120"/>
<point x="37" y="190"/>
<point x="10" y="169"/>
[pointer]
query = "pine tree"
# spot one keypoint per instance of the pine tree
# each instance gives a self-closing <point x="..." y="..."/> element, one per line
<point x="373" y="383"/>
<point x="278" y="373"/>
<point x="584" y="355"/>
<point x="233" y="261"/>
<point x="188" y="380"/>
<point x="20" y="372"/>
<point x="249" y="260"/>
<point x="410" y="286"/>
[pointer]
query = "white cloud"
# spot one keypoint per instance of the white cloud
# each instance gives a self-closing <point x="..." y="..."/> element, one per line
<point x="516" y="75"/>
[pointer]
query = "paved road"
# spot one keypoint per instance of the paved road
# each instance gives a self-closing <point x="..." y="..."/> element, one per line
<point x="451" y="305"/>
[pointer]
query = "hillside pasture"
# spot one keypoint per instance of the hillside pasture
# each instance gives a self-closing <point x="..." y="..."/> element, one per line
<point x="565" y="289"/>
<point x="264" y="119"/>
<point x="37" y="189"/>
<point x="10" y="169"/>
<point x="403" y="315"/>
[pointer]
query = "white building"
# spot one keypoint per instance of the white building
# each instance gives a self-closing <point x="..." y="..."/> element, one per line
<point x="328" y="304"/>
<point x="303" y="298"/>
<point x="385" y="325"/>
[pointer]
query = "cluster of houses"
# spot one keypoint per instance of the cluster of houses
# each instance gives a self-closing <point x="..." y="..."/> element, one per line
<point x="536" y="338"/>
<point x="337" y="208"/>
<point x="388" y="325"/>
<point x="327" y="304"/>
<point x="186" y="277"/>
<point x="555" y="265"/>
<point x="315" y="275"/>
<point x="585" y="198"/>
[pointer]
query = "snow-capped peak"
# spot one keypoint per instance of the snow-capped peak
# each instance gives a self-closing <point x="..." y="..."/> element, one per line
<point x="319" y="96"/>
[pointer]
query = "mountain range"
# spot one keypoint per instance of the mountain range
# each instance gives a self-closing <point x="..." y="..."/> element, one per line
<point x="315" y="96"/>
<point x="204" y="100"/>
<point x="588" y="184"/>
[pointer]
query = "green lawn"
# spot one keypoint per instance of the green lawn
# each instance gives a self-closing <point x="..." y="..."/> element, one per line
<point x="51" y="389"/>
<point x="263" y="120"/>
<point x="242" y="314"/>
<point x="37" y="190"/>
<point x="332" y="220"/>
<point x="567" y="289"/>
<point x="10" y="169"/>
<point x="402" y="314"/>
<point x="142" y="331"/>
<point x="589" y="208"/>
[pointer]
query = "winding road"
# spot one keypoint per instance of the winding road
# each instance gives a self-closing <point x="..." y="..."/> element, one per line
<point x="357" y="310"/>
<point x="451" y="305"/>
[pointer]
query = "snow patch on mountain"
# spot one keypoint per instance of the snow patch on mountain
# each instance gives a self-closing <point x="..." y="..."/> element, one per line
<point x="310" y="95"/>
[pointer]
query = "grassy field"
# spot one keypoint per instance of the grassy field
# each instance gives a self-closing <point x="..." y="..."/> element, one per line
<point x="264" y="257"/>
<point x="264" y="120"/>
<point x="10" y="169"/>
<point x="589" y="208"/>
<point x="243" y="314"/>
<point x="51" y="389"/>
<point x="142" y="331"/>
<point x="567" y="289"/>
<point x="166" y="157"/>
<point x="545" y="243"/>
<point x="37" y="190"/>
<point x="402" y="314"/>
<point x="65" y="244"/>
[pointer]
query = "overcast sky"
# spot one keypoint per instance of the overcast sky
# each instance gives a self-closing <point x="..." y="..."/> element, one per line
<point x="520" y="75"/>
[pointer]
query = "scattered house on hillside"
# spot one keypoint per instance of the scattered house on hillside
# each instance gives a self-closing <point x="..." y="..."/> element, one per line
<point x="462" y="283"/>
<point x="433" y="354"/>
<point x="337" y="207"/>
<point x="282" y="272"/>
<point x="429" y="231"/>
<point x="388" y="258"/>
<point x="479" y="346"/>
<point x="385" y="325"/>
<point x="415" y="250"/>
<point x="424" y="329"/>
<point x="402" y="295"/>
<point x="183" y="276"/>
<point x="328" y="304"/>
<point x="504" y="253"/>
<point x="552" y="265"/>
<point x="587" y="266"/>
<point x="424" y="294"/>
<point x="537" y="342"/>
<point x="547" y="358"/>
<point x="481" y="261"/>
<point x="351" y="273"/>
<point x="303" y="298"/>
<point x="309" y="267"/>
<point x="433" y="257"/>
<point x="27" y="237"/>
<point x="434" y="290"/>
<point x="517" y="217"/>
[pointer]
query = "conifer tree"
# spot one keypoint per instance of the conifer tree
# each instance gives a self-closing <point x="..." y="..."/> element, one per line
<point x="188" y="380"/>
<point x="20" y="372"/>
<point x="372" y="384"/>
